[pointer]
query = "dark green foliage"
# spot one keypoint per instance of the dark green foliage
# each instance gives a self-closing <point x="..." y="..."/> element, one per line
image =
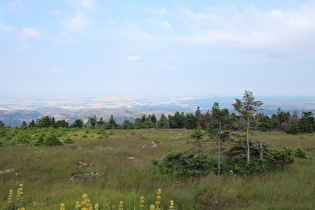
<point x="280" y="120"/>
<point x="300" y="153"/>
<point x="23" y="138"/>
<point x="272" y="159"/>
<point x="3" y="131"/>
<point x="1" y="124"/>
<point x="153" y="120"/>
<point x="77" y="124"/>
<point x="138" y="124"/>
<point x="111" y="123"/>
<point x="100" y="123"/>
<point x="190" y="121"/>
<point x="32" y="124"/>
<point x="51" y="140"/>
<point x="40" y="140"/>
<point x="163" y="122"/>
<point x="198" y="134"/>
<point x="307" y="122"/>
<point x="265" y="123"/>
<point x="103" y="134"/>
<point x="293" y="129"/>
<point x="16" y="205"/>
<point x="77" y="172"/>
<point x="61" y="124"/>
<point x="177" y="121"/>
<point x="45" y="122"/>
<point x="188" y="164"/>
<point x="91" y="123"/>
<point x="280" y="158"/>
<point x="24" y="125"/>
<point x="68" y="141"/>
<point x="127" y="125"/>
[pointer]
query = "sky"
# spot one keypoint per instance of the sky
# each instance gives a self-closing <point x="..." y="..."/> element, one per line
<point x="165" y="47"/>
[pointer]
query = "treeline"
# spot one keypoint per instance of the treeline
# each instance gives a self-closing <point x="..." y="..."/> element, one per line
<point x="280" y="121"/>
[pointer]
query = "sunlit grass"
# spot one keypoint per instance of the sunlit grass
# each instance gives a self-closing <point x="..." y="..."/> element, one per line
<point x="126" y="173"/>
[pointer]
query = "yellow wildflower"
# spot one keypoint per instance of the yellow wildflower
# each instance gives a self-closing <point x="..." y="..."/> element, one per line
<point x="96" y="206"/>
<point x="152" y="207"/>
<point x="62" y="206"/>
<point x="121" y="205"/>
<point x="77" y="205"/>
<point x="10" y="196"/>
<point x="84" y="196"/>
<point x="158" y="198"/>
<point x="141" y="202"/>
<point x="171" y="204"/>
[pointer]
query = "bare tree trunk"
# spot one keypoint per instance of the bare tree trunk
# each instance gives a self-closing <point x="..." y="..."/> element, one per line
<point x="219" y="156"/>
<point x="247" y="140"/>
<point x="219" y="150"/>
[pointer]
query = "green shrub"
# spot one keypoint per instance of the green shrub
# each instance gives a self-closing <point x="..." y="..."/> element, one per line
<point x="52" y="140"/>
<point x="293" y="129"/>
<point x="186" y="164"/>
<point x="300" y="153"/>
<point x="272" y="159"/>
<point x="40" y="140"/>
<point x="20" y="139"/>
<point x="68" y="141"/>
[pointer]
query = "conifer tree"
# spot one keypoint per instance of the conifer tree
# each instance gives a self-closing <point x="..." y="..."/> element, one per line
<point x="247" y="108"/>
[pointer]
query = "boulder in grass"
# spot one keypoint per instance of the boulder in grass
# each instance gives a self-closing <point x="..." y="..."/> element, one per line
<point x="7" y="171"/>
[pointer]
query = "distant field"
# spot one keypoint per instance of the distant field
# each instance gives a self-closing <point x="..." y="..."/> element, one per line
<point x="53" y="175"/>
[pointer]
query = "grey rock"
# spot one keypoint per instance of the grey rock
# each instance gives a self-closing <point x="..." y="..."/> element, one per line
<point x="7" y="171"/>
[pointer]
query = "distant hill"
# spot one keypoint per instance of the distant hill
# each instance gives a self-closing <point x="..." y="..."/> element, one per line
<point x="13" y="111"/>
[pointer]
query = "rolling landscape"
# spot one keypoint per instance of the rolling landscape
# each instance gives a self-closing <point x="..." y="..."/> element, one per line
<point x="157" y="105"/>
<point x="16" y="109"/>
<point x="138" y="163"/>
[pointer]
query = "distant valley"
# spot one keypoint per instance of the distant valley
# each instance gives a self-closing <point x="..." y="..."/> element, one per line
<point x="16" y="109"/>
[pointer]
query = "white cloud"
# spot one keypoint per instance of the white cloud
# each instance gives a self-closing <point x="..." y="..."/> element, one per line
<point x="86" y="4"/>
<point x="164" y="24"/>
<point x="273" y="32"/>
<point x="23" y="46"/>
<point x="54" y="70"/>
<point x="15" y="6"/>
<point x="134" y="58"/>
<point x="56" y="12"/>
<point x="158" y="11"/>
<point x="30" y="33"/>
<point x="5" y="28"/>
<point x="78" y="23"/>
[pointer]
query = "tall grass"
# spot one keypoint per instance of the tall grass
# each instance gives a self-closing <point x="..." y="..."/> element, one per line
<point x="125" y="173"/>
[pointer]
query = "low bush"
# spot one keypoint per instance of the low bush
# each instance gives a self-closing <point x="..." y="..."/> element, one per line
<point x="271" y="159"/>
<point x="68" y="141"/>
<point x="186" y="164"/>
<point x="52" y="140"/>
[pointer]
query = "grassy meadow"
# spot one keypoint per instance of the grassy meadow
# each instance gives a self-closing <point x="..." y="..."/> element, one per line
<point x="122" y="159"/>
